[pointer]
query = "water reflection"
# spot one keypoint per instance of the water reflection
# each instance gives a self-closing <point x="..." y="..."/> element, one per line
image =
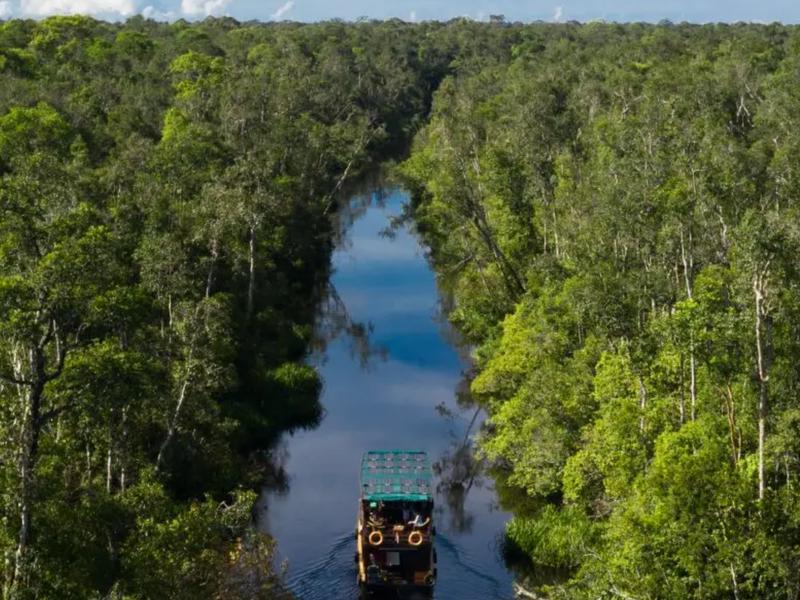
<point x="276" y="478"/>
<point x="335" y="322"/>
<point x="457" y="470"/>
<point x="387" y="365"/>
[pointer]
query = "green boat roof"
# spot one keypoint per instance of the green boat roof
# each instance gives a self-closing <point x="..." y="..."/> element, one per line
<point x="396" y="475"/>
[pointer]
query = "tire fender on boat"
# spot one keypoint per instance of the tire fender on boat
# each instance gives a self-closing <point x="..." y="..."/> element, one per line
<point x="415" y="538"/>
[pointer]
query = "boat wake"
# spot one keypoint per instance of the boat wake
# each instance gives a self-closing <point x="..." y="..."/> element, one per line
<point x="333" y="575"/>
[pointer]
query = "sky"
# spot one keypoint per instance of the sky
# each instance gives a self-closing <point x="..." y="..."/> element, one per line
<point x="698" y="11"/>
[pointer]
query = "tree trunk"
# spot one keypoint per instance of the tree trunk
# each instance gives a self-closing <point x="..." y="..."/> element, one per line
<point x="688" y="266"/>
<point x="27" y="464"/>
<point x="734" y="582"/>
<point x="555" y="234"/>
<point x="29" y="446"/>
<point x="169" y="311"/>
<point x="173" y="424"/>
<point x="109" y="461"/>
<point x="212" y="267"/>
<point x="477" y="216"/>
<point x="123" y="471"/>
<point x="730" y="409"/>
<point x="642" y="405"/>
<point x="251" y="287"/>
<point x="762" y="356"/>
<point x="521" y="592"/>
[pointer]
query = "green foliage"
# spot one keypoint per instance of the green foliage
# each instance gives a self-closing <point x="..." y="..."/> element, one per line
<point x="297" y="388"/>
<point x="165" y="236"/>
<point x="555" y="538"/>
<point x="24" y="131"/>
<point x="186" y="553"/>
<point x="612" y="211"/>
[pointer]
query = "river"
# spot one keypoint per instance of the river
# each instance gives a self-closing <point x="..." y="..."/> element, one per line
<point x="398" y="392"/>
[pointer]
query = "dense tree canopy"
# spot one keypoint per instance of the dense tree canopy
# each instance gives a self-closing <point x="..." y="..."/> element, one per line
<point x="610" y="208"/>
<point x="165" y="234"/>
<point x="613" y="211"/>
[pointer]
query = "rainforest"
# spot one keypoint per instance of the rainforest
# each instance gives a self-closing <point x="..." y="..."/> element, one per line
<point x="610" y="211"/>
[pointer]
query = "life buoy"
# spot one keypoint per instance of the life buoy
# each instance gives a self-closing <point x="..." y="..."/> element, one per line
<point x="375" y="537"/>
<point x="415" y="538"/>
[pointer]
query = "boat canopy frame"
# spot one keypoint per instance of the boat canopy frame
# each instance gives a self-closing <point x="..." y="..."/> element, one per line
<point x="396" y="476"/>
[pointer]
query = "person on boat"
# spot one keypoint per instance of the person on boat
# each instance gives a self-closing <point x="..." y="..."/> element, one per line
<point x="406" y="513"/>
<point x="418" y="521"/>
<point x="375" y="520"/>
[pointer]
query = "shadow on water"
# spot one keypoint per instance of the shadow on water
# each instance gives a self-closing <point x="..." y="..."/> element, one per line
<point x="457" y="471"/>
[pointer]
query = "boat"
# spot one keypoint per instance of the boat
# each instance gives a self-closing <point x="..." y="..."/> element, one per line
<point x="394" y="529"/>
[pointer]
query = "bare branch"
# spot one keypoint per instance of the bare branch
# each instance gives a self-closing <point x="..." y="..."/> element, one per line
<point x="14" y="380"/>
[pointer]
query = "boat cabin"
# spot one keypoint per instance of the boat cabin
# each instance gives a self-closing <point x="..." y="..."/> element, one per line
<point x="394" y="532"/>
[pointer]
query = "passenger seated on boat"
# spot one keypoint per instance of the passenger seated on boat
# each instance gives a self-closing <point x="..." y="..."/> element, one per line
<point x="375" y="521"/>
<point x="406" y="513"/>
<point x="419" y="522"/>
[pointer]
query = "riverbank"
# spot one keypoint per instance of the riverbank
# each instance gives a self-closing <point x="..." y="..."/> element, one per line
<point x="613" y="214"/>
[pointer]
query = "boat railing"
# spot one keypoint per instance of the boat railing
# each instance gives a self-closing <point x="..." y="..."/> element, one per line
<point x="396" y="535"/>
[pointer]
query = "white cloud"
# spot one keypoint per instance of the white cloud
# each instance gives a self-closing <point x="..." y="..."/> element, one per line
<point x="282" y="10"/>
<point x="203" y="7"/>
<point x="41" y="8"/>
<point x="151" y="12"/>
<point x="5" y="10"/>
<point x="413" y="16"/>
<point x="558" y="13"/>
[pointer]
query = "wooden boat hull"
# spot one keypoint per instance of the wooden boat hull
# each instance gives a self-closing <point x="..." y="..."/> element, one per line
<point x="421" y="578"/>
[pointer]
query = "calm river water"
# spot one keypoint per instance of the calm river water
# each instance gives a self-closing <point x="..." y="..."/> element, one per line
<point x="402" y="394"/>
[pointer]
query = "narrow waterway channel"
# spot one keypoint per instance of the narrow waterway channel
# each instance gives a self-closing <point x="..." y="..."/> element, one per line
<point x="400" y="392"/>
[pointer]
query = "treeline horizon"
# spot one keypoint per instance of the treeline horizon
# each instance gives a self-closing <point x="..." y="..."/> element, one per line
<point x="490" y="20"/>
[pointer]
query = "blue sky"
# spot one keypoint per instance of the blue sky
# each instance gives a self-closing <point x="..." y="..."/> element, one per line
<point x="787" y="11"/>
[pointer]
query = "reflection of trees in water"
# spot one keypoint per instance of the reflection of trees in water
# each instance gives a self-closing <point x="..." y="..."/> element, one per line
<point x="454" y="338"/>
<point x="365" y="194"/>
<point x="334" y="321"/>
<point x="458" y="471"/>
<point x="275" y="476"/>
